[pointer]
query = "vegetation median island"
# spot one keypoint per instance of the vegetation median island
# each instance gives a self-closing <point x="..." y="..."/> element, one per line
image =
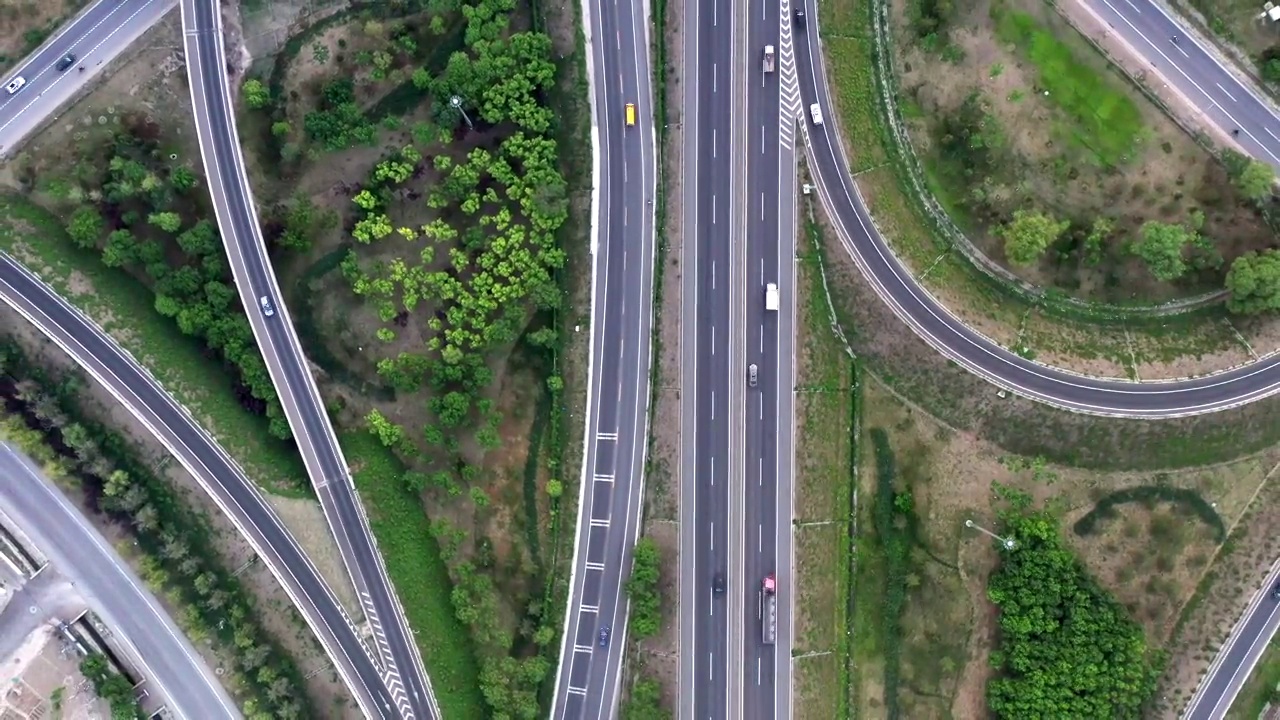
<point x="426" y="169"/>
<point x="1026" y="140"/>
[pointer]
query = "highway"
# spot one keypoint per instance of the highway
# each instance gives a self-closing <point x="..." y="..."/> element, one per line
<point x="611" y="491"/>
<point x="95" y="36"/>
<point x="773" y="102"/>
<point x="714" y="86"/>
<point x="395" y="649"/>
<point x="167" y="658"/>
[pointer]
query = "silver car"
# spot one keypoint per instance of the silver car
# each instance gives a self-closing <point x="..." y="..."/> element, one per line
<point x="752" y="371"/>
<point x="267" y="309"/>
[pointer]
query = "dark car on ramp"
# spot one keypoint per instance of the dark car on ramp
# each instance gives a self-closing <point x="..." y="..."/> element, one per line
<point x="799" y="14"/>
<point x="65" y="62"/>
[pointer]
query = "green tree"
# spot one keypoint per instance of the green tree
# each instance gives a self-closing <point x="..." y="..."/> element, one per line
<point x="166" y="221"/>
<point x="1256" y="180"/>
<point x="1254" y="282"/>
<point x="644" y="702"/>
<point x="1163" y="248"/>
<point x="642" y="589"/>
<point x="86" y="227"/>
<point x="255" y="94"/>
<point x="1067" y="648"/>
<point x="1028" y="235"/>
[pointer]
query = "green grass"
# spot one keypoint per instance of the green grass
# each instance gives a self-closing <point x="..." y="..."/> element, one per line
<point x="824" y="405"/>
<point x="123" y="307"/>
<point x="1104" y="119"/>
<point x="421" y="579"/>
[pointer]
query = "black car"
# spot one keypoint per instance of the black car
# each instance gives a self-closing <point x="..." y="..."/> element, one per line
<point x="604" y="637"/>
<point x="66" y="61"/>
<point x="800" y="15"/>
<point x="717" y="583"/>
<point x="1275" y="592"/>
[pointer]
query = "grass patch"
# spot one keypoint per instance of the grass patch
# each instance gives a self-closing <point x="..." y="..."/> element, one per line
<point x="421" y="579"/>
<point x="825" y="406"/>
<point x="1108" y="124"/>
<point x="125" y="310"/>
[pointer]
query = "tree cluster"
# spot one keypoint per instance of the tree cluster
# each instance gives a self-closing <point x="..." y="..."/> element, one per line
<point x="1067" y="648"/>
<point x="111" y="686"/>
<point x="140" y="224"/>
<point x="339" y="123"/>
<point x="643" y="590"/>
<point x="644" y="702"/>
<point x="179" y="556"/>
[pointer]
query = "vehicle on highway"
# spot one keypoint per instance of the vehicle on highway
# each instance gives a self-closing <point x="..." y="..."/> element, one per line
<point x="768" y="58"/>
<point x="15" y="85"/>
<point x="1275" y="592"/>
<point x="771" y="294"/>
<point x="717" y="580"/>
<point x="800" y="15"/>
<point x="631" y="114"/>
<point x="816" y="113"/>
<point x="769" y="610"/>
<point x="65" y="62"/>
<point x="751" y="374"/>
<point x="267" y="308"/>
<point x="604" y="636"/>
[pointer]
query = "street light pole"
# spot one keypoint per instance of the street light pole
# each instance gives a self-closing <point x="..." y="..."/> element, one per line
<point x="1008" y="543"/>
<point x="456" y="102"/>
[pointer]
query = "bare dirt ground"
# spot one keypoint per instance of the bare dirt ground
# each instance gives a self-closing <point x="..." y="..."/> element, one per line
<point x="1220" y="597"/>
<point x="658" y="658"/>
<point x="325" y="689"/>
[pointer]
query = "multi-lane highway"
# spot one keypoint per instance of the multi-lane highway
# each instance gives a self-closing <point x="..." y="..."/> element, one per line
<point x="714" y="88"/>
<point x="167" y="657"/>
<point x="394" y="645"/>
<point x="95" y="36"/>
<point x="773" y="101"/>
<point x="617" y="430"/>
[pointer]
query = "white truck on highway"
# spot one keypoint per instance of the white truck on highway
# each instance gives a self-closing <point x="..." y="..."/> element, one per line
<point x="769" y="610"/>
<point x="771" y="296"/>
<point x="768" y="58"/>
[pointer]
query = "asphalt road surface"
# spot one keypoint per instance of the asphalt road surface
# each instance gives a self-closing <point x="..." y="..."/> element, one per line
<point x="617" y="430"/>
<point x="95" y="36"/>
<point x="75" y="547"/>
<point x="713" y="84"/>
<point x="395" y="649"/>
<point x="772" y="104"/>
<point x="234" y="493"/>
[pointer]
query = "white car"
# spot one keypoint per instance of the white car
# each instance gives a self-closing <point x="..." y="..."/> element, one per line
<point x="15" y="84"/>
<point x="267" y="309"/>
<point x="816" y="112"/>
